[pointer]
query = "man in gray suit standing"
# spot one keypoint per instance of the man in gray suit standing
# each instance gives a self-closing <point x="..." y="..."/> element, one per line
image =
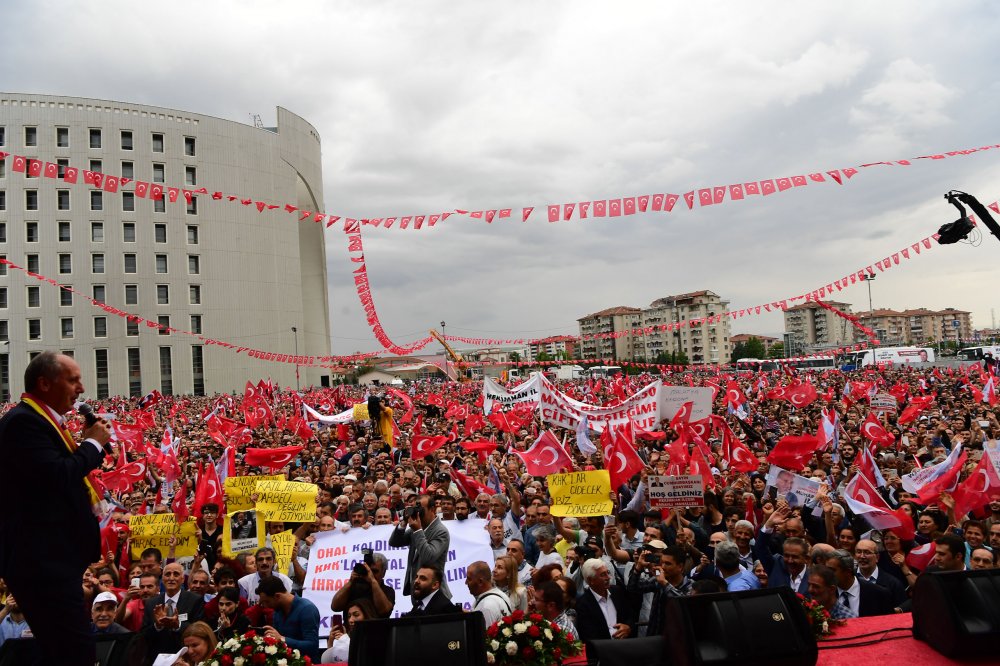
<point x="427" y="538"/>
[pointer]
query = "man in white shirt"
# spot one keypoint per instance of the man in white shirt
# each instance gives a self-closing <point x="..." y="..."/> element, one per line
<point x="264" y="557"/>
<point x="490" y="601"/>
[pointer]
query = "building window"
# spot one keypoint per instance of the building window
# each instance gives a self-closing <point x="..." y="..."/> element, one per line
<point x="31" y="263"/>
<point x="61" y="166"/>
<point x="3" y="232"/>
<point x="96" y="200"/>
<point x="190" y="175"/>
<point x="128" y="232"/>
<point x="34" y="297"/>
<point x="196" y="324"/>
<point x="128" y="202"/>
<point x="164" y="322"/>
<point x="157" y="142"/>
<point x="62" y="199"/>
<point x="126" y="140"/>
<point x="198" y="369"/>
<point x="100" y="327"/>
<point x="30" y="136"/>
<point x="131" y="294"/>
<point x="134" y="372"/>
<point x="128" y="169"/>
<point x="192" y="232"/>
<point x="4" y="331"/>
<point x="97" y="232"/>
<point x="31" y="200"/>
<point x="166" y="372"/>
<point x="194" y="264"/>
<point x="160" y="205"/>
<point x="100" y="293"/>
<point x="97" y="263"/>
<point x="65" y="264"/>
<point x="31" y="232"/>
<point x="192" y="206"/>
<point x="3" y="298"/>
<point x="194" y="294"/>
<point x="3" y="199"/>
<point x="3" y="267"/>
<point x="34" y="329"/>
<point x="131" y="328"/>
<point x="159" y="173"/>
<point x="62" y="137"/>
<point x="65" y="298"/>
<point x="188" y="146"/>
<point x="130" y="263"/>
<point x="66" y="327"/>
<point x="163" y="294"/>
<point x="97" y="166"/>
<point x="160" y="233"/>
<point x="101" y="366"/>
<point x="161" y="263"/>
<point x="3" y="136"/>
<point x="95" y="138"/>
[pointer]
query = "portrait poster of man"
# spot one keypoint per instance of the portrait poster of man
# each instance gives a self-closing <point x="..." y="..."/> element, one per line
<point x="789" y="486"/>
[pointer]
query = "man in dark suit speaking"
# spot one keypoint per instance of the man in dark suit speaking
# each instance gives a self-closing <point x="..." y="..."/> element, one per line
<point x="48" y="526"/>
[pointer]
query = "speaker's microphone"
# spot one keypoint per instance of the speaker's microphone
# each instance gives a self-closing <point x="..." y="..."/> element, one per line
<point x="87" y="412"/>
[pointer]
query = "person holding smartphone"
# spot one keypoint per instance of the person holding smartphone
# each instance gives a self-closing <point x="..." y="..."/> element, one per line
<point x="340" y="632"/>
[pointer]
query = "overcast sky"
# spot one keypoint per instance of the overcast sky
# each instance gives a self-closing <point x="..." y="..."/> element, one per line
<point x="431" y="106"/>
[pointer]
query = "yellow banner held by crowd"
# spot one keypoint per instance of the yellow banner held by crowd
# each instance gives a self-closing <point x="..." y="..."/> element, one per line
<point x="290" y="501"/>
<point x="283" y="544"/>
<point x="239" y="489"/>
<point x="154" y="531"/>
<point x="242" y="531"/>
<point x="581" y="493"/>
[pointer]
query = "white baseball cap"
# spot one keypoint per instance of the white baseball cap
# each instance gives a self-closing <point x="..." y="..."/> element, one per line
<point x="105" y="596"/>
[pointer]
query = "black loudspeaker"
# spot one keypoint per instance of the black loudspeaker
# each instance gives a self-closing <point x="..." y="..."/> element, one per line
<point x="958" y="612"/>
<point x="441" y="640"/>
<point x="20" y="652"/>
<point x="647" y="651"/>
<point x="765" y="627"/>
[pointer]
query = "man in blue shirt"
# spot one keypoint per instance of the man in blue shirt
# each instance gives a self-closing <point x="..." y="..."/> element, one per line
<point x="12" y="622"/>
<point x="296" y="620"/>
<point x="727" y="561"/>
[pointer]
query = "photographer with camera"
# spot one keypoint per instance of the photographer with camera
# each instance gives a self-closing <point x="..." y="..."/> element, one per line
<point x="366" y="582"/>
<point x="427" y="538"/>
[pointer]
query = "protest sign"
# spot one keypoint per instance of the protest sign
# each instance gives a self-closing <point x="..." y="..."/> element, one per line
<point x="154" y="531"/>
<point x="789" y="486"/>
<point x="334" y="554"/>
<point x="672" y="398"/>
<point x="671" y="492"/>
<point x="884" y="402"/>
<point x="241" y="531"/>
<point x="290" y="501"/>
<point x="239" y="489"/>
<point x="581" y="493"/>
<point x="283" y="544"/>
<point x="641" y="408"/>
<point x="526" y="391"/>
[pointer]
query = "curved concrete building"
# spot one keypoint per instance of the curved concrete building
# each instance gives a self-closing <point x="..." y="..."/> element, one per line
<point x="214" y="267"/>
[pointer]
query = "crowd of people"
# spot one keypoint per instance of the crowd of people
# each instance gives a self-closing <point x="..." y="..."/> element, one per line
<point x="597" y="577"/>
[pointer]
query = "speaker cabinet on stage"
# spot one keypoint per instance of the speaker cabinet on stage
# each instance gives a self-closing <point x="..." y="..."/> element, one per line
<point x="958" y="612"/>
<point x="747" y="628"/>
<point x="441" y="640"/>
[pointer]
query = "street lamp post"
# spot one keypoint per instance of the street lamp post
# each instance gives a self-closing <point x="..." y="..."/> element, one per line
<point x="443" y="337"/>
<point x="869" y="277"/>
<point x="295" y="332"/>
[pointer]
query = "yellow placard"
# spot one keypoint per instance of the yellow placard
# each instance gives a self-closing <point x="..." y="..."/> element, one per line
<point x="290" y="501"/>
<point x="249" y="533"/>
<point x="154" y="531"/>
<point x="361" y="411"/>
<point x="283" y="543"/>
<point x="581" y="493"/>
<point x="238" y="490"/>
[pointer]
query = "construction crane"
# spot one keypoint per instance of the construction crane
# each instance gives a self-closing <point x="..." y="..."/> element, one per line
<point x="455" y="356"/>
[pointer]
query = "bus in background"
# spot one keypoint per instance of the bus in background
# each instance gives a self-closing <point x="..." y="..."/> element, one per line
<point x="977" y="353"/>
<point x="756" y="364"/>
<point x="602" y="371"/>
<point x="891" y="356"/>
<point x="811" y="363"/>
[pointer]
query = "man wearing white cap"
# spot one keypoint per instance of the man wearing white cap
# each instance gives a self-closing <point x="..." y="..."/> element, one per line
<point x="102" y="615"/>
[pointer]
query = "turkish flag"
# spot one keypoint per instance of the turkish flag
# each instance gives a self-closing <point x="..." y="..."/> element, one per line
<point x="179" y="504"/>
<point x="718" y="194"/>
<point x="736" y="454"/>
<point x="735" y="192"/>
<point x="767" y="187"/>
<point x="208" y="490"/>
<point x="271" y="458"/>
<point x="473" y="424"/>
<point x="457" y="411"/>
<point x="584" y="207"/>
<point x="980" y="488"/>
<point x="622" y="461"/>
<point x="628" y="205"/>
<point x="155" y="191"/>
<point x="698" y="466"/>
<point x="546" y="456"/>
<point x="434" y="399"/>
<point x="470" y="487"/>
<point x="123" y="478"/>
<point x="705" y="197"/>
<point x="35" y="168"/>
<point x="20" y="164"/>
<point x="642" y="202"/>
<point x="141" y="188"/>
<point x="172" y="193"/>
<point x="864" y="500"/>
<point x="128" y="434"/>
<point x="734" y="394"/>
<point x="554" y="213"/>
<point x="407" y="402"/>
<point x="917" y="405"/>
<point x="784" y="184"/>
<point x="500" y="421"/>
<point x="481" y="447"/>
<point x="657" y="202"/>
<point x="921" y="557"/>
<point x="682" y="417"/>
<point x="424" y="445"/>
<point x="70" y="175"/>
<point x="51" y="170"/>
<point x="799" y="181"/>
<point x="614" y="207"/>
<point x="670" y="200"/>
<point x="876" y="432"/>
<point x="793" y="451"/>
<point x="752" y="188"/>
<point x="111" y="184"/>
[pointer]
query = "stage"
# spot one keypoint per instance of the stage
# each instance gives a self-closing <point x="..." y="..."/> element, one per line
<point x="887" y="638"/>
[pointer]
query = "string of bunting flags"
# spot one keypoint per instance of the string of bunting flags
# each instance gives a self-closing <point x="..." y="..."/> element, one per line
<point x="318" y="361"/>
<point x="618" y="206"/>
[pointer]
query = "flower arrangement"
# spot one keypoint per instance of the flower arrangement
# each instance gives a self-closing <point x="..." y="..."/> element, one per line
<point x="252" y="649"/>
<point x="819" y="618"/>
<point x="528" y="639"/>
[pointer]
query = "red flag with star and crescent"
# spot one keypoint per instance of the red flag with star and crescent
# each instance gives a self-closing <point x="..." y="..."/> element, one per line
<point x="621" y="460"/>
<point x="271" y="458"/>
<point x="546" y="456"/>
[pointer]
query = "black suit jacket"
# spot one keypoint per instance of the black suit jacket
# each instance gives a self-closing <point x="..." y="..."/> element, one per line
<point x="590" y="622"/>
<point x="875" y="600"/>
<point x="166" y="640"/>
<point x="43" y="496"/>
<point x="438" y="605"/>
<point x="896" y="589"/>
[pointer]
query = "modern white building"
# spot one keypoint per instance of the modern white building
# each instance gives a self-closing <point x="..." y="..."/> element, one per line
<point x="214" y="267"/>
